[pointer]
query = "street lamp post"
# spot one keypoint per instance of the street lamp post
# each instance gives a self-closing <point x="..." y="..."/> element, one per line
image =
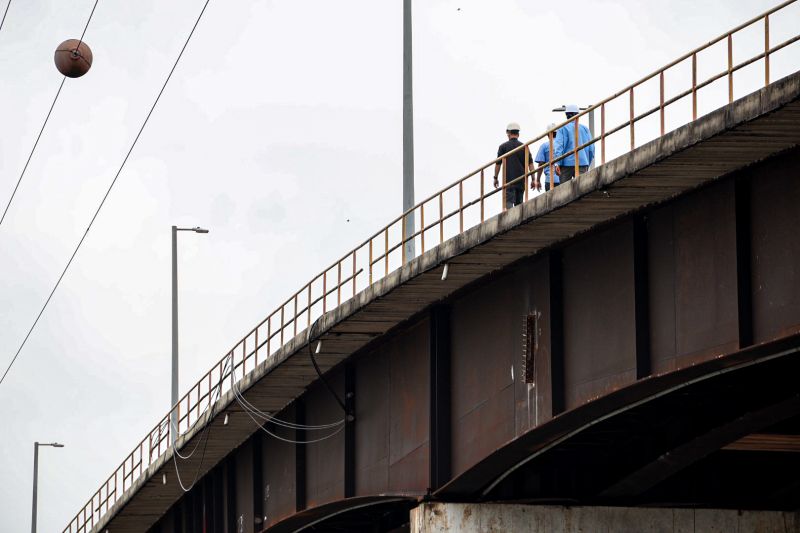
<point x="173" y="413"/>
<point x="36" y="478"/>
<point x="408" y="131"/>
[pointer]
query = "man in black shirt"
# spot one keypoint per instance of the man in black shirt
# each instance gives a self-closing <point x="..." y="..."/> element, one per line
<point x="515" y="167"/>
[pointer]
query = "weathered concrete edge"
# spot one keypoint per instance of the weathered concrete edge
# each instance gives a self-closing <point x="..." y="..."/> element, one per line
<point x="435" y="517"/>
<point x="745" y="109"/>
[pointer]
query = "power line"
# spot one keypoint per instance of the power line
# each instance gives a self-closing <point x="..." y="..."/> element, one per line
<point x="103" y="201"/>
<point x="35" y="144"/>
<point x="4" y="14"/>
<point x="87" y="24"/>
<point x="38" y="137"/>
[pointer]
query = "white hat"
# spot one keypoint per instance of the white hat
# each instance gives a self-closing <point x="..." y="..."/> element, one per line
<point x="571" y="108"/>
<point x="512" y="126"/>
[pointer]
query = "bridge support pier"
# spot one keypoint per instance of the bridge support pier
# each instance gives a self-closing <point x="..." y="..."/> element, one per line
<point x="491" y="517"/>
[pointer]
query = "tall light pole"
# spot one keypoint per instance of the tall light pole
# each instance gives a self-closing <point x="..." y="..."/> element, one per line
<point x="36" y="478"/>
<point x="408" y="130"/>
<point x="173" y="413"/>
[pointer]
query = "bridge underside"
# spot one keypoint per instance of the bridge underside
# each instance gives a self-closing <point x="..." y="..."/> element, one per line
<point x="628" y="339"/>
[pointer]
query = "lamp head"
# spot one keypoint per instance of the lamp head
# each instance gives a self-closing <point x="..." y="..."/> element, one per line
<point x="198" y="229"/>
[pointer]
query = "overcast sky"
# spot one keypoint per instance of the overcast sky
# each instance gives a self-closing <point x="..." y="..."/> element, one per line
<point x="281" y="132"/>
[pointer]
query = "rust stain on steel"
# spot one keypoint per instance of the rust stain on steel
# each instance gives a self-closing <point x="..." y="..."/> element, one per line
<point x="599" y="318"/>
<point x="705" y="274"/>
<point x="486" y="343"/>
<point x="409" y="408"/>
<point x="324" y="460"/>
<point x="279" y="471"/>
<point x="775" y="247"/>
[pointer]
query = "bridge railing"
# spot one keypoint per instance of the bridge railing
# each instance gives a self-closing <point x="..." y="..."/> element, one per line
<point x="448" y="213"/>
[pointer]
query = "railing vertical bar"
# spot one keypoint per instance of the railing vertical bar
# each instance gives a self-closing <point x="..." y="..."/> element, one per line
<point x="461" y="206"/>
<point x="282" y="326"/>
<point x="633" y="141"/>
<point x="256" y="347"/>
<point x="422" y="226"/>
<point x="575" y="151"/>
<point x="766" y="50"/>
<point x="370" y="260"/>
<point x="482" y="193"/>
<point x="661" y="101"/>
<point x="441" y="218"/>
<point x="694" y="86"/>
<point x="354" y="270"/>
<point x="525" y="155"/>
<point x="386" y="251"/>
<point x="730" y="67"/>
<point x="294" y="320"/>
<point x="602" y="134"/>
<point x="269" y="335"/>
<point x="244" y="360"/>
<point x="308" y="309"/>
<point x="550" y="162"/>
<point x="324" y="292"/>
<point x="505" y="181"/>
<point x="402" y="245"/>
<point x="339" y="283"/>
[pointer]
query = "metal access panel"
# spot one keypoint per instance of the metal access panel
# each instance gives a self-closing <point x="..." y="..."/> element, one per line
<point x="599" y="323"/>
<point x="533" y="401"/>
<point x="392" y="413"/>
<point x="325" y="459"/>
<point x="278" y="460"/>
<point x="692" y="278"/>
<point x="775" y="246"/>
<point x="486" y="327"/>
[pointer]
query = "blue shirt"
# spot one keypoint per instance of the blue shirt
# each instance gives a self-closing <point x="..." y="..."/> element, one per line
<point x="543" y="156"/>
<point x="564" y="143"/>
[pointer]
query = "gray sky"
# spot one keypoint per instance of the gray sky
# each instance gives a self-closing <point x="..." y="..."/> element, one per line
<point x="282" y="122"/>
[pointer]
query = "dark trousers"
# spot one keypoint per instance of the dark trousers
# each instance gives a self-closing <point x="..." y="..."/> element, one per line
<point x="547" y="185"/>
<point x="567" y="173"/>
<point x="515" y="194"/>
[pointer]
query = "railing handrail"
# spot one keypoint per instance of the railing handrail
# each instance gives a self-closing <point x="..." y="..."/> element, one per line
<point x="158" y="435"/>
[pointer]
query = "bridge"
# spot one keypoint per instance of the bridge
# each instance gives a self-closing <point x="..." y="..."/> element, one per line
<point x="619" y="353"/>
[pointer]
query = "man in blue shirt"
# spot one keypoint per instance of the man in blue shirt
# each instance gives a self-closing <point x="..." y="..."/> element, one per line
<point x="543" y="156"/>
<point x="564" y="143"/>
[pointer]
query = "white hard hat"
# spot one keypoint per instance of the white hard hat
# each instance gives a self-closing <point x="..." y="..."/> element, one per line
<point x="512" y="126"/>
<point x="571" y="108"/>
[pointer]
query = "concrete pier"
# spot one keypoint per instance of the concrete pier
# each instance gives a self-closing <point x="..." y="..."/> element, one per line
<point x="496" y="517"/>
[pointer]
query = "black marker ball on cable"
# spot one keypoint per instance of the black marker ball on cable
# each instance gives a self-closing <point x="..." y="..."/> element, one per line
<point x="73" y="58"/>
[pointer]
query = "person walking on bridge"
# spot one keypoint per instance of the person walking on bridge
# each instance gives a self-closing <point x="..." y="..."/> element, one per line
<point x="543" y="156"/>
<point x="515" y="167"/>
<point x="564" y="143"/>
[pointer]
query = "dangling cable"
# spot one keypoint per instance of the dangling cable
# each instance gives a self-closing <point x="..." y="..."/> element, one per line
<point x="319" y="372"/>
<point x="277" y="421"/>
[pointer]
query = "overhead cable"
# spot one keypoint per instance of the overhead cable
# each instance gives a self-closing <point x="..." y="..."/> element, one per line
<point x="49" y="112"/>
<point x="110" y="187"/>
<point x="4" y="14"/>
